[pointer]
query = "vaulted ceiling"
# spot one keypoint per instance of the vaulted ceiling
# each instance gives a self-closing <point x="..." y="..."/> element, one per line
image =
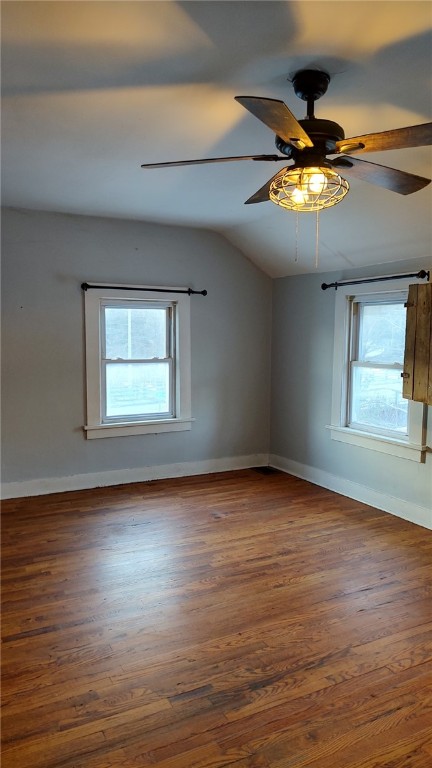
<point x="93" y="89"/>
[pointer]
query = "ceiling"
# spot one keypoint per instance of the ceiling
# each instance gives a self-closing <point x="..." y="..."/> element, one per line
<point x="93" y="89"/>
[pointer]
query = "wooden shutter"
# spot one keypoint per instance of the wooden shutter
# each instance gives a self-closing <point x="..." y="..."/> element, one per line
<point x="417" y="375"/>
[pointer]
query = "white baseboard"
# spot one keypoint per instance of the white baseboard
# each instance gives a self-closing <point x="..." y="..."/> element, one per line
<point x="44" y="486"/>
<point x="395" y="506"/>
<point x="399" y="507"/>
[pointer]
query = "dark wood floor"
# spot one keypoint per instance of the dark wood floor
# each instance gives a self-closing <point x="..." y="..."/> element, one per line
<point x="246" y="619"/>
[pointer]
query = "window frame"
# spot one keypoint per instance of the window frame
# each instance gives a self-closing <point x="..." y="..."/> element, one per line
<point x="95" y="300"/>
<point x="413" y="445"/>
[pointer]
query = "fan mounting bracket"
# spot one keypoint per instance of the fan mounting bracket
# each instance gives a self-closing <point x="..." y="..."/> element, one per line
<point x="310" y="84"/>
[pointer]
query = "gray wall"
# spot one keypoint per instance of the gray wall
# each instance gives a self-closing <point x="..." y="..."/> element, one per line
<point x="302" y="363"/>
<point x="45" y="259"/>
<point x="238" y="414"/>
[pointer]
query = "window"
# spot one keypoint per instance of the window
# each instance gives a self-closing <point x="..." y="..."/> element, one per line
<point x="138" y="362"/>
<point x="368" y="409"/>
<point x="376" y="363"/>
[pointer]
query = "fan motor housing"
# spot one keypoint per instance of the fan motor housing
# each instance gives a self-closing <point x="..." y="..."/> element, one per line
<point x="320" y="129"/>
<point x="323" y="133"/>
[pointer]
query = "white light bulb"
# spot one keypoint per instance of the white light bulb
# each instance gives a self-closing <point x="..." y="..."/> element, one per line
<point x="298" y="196"/>
<point x="317" y="182"/>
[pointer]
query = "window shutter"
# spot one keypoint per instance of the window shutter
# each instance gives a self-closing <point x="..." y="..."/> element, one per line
<point x="417" y="375"/>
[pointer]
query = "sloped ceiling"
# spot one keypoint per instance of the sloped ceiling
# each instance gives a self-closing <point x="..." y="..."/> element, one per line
<point x="93" y="89"/>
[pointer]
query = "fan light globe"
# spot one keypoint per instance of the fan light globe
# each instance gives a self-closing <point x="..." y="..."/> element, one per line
<point x="308" y="189"/>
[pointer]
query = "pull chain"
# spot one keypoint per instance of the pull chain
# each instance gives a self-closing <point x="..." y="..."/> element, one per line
<point x="296" y="236"/>
<point x="317" y="241"/>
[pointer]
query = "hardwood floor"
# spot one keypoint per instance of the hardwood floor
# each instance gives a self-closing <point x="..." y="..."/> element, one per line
<point x="245" y="619"/>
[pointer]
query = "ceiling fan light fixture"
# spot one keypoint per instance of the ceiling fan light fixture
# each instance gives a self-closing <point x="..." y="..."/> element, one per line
<point x="308" y="189"/>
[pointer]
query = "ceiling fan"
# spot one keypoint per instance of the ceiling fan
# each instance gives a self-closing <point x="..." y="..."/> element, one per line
<point x="313" y="182"/>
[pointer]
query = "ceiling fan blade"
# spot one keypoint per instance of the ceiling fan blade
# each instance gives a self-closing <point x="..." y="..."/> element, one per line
<point x="262" y="195"/>
<point x="396" y="181"/>
<point x="258" y="158"/>
<point x="276" y="115"/>
<point x="399" y="138"/>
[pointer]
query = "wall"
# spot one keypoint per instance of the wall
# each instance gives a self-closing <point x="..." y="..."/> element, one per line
<point x="302" y="360"/>
<point x="46" y="257"/>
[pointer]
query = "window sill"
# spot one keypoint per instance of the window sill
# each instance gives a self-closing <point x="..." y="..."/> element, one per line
<point x="389" y="445"/>
<point x="141" y="428"/>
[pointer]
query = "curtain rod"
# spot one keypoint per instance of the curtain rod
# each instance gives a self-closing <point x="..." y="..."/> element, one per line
<point x="423" y="274"/>
<point x="189" y="291"/>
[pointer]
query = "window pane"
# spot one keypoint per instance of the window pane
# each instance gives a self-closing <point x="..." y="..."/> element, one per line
<point x="137" y="388"/>
<point x="382" y="333"/>
<point x="138" y="332"/>
<point x="377" y="399"/>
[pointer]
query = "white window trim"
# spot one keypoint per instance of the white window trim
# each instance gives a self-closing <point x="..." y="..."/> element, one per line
<point x="94" y="428"/>
<point x="412" y="448"/>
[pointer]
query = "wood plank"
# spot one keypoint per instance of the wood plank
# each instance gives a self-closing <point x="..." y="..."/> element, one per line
<point x="417" y="375"/>
<point x="410" y="341"/>
<point x="429" y="390"/>
<point x="422" y="343"/>
<point x="237" y="619"/>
